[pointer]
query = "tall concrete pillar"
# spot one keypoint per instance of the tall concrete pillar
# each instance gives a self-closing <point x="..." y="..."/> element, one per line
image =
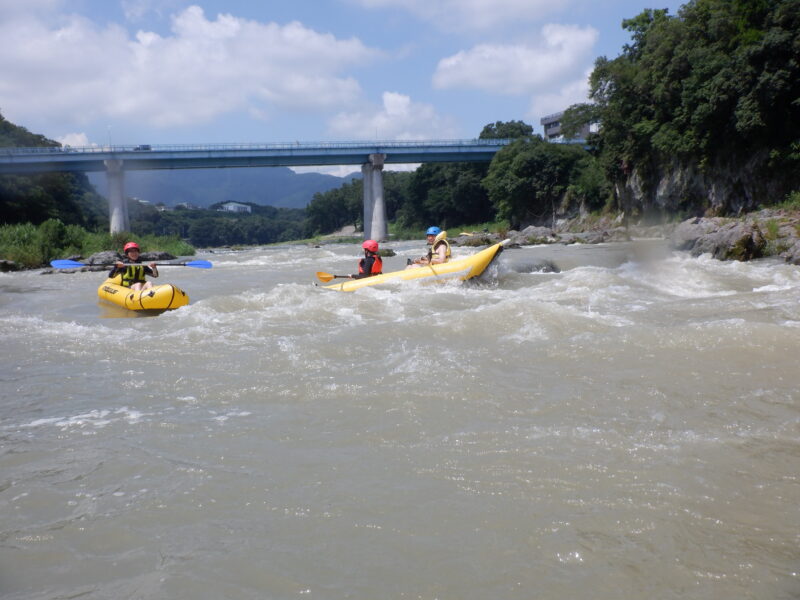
<point x="374" y="205"/>
<point x="366" y="180"/>
<point x="117" y="207"/>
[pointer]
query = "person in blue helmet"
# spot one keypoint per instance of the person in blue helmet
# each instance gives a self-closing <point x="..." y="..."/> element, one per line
<point x="439" y="251"/>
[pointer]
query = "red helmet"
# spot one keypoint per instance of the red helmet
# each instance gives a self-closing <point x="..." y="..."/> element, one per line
<point x="370" y="245"/>
<point x="130" y="246"/>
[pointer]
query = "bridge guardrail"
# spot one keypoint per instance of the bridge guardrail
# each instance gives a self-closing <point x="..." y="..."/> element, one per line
<point x="388" y="144"/>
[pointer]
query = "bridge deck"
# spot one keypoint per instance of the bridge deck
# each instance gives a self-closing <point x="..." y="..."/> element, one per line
<point x="146" y="157"/>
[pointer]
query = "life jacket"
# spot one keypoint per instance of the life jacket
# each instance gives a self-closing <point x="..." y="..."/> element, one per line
<point x="377" y="266"/>
<point x="436" y="244"/>
<point x="133" y="273"/>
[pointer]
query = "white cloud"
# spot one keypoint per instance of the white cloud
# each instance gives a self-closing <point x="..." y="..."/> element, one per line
<point x="570" y="93"/>
<point x="335" y="170"/>
<point x="76" y="71"/>
<point x="471" y="14"/>
<point x="521" y="68"/>
<point x="76" y="140"/>
<point x="397" y="119"/>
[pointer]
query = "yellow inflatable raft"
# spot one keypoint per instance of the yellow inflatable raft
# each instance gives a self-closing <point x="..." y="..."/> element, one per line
<point x="159" y="297"/>
<point x="462" y="268"/>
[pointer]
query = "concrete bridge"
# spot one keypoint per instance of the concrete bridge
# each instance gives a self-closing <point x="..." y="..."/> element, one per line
<point x="372" y="156"/>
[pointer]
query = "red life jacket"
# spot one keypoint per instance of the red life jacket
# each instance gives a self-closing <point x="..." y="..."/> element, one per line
<point x="377" y="266"/>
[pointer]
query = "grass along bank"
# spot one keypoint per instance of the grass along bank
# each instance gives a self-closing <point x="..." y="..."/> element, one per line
<point x="27" y="246"/>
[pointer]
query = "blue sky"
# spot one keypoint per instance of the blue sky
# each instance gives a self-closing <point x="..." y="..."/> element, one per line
<point x="86" y="72"/>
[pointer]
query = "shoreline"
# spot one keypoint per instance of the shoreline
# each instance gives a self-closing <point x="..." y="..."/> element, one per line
<point x="766" y="233"/>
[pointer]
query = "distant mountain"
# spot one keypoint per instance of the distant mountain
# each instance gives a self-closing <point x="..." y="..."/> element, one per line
<point x="269" y="186"/>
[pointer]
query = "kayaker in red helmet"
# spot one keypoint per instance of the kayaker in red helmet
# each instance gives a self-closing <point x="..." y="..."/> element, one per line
<point x="371" y="264"/>
<point x="133" y="271"/>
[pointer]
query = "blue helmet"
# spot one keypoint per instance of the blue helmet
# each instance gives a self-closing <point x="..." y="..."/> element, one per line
<point x="433" y="231"/>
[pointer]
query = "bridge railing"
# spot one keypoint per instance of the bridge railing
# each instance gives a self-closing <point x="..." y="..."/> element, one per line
<point x="343" y="145"/>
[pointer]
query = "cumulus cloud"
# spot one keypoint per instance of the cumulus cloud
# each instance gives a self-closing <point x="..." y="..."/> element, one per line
<point x="397" y="118"/>
<point x="76" y="140"/>
<point x="519" y="68"/>
<point x="471" y="14"/>
<point x="77" y="71"/>
<point x="568" y="94"/>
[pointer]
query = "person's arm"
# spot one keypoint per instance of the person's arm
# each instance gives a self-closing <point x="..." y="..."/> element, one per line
<point x="115" y="270"/>
<point x="423" y="260"/>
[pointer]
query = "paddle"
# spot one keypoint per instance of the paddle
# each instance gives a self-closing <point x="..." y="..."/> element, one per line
<point x="326" y="277"/>
<point x="72" y="264"/>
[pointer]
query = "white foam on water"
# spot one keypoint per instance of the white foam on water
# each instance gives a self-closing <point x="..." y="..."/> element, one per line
<point x="93" y="419"/>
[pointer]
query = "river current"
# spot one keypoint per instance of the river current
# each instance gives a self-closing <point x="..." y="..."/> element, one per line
<point x="625" y="428"/>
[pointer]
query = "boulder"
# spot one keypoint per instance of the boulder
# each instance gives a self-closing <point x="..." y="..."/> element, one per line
<point x="106" y="258"/>
<point x="732" y="241"/>
<point x="8" y="265"/>
<point x="792" y="255"/>
<point x="148" y="257"/>
<point x="685" y="235"/>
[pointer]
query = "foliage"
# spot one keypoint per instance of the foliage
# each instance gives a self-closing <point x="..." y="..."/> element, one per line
<point x="35" y="246"/>
<point x="506" y="131"/>
<point x="792" y="201"/>
<point x="67" y="197"/>
<point x="528" y="180"/>
<point x="715" y="85"/>
<point x="330" y="211"/>
<point x="445" y="194"/>
<point x="576" y="117"/>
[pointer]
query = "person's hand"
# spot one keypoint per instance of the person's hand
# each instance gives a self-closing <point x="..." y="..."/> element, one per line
<point x="152" y="265"/>
<point x="119" y="264"/>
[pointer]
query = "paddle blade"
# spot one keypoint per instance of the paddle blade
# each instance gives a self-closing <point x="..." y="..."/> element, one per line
<point x="66" y="264"/>
<point x="198" y="264"/>
<point x="324" y="277"/>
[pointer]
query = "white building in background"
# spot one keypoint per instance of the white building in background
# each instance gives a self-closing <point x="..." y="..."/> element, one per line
<point x="552" y="128"/>
<point x="237" y="207"/>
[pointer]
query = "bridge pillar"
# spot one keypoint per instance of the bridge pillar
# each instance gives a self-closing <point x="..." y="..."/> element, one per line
<point x="374" y="206"/>
<point x="117" y="207"/>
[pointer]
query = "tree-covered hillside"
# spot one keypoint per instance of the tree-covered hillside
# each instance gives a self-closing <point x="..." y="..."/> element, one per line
<point x="68" y="197"/>
<point x="701" y="111"/>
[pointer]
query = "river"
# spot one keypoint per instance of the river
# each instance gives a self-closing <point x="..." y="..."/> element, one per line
<point x="626" y="428"/>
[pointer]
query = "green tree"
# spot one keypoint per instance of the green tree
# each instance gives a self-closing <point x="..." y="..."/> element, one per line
<point x="506" y="130"/>
<point x="715" y="88"/>
<point x="68" y="197"/>
<point x="529" y="180"/>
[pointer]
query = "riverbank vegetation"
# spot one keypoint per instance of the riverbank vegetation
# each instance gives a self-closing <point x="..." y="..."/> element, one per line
<point x="31" y="246"/>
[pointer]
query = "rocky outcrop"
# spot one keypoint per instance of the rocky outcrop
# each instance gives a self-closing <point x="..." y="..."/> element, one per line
<point x="768" y="232"/>
<point x="730" y="187"/>
<point x="792" y="255"/>
<point x="765" y="233"/>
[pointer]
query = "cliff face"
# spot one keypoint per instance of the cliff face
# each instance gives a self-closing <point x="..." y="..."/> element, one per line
<point x="732" y="188"/>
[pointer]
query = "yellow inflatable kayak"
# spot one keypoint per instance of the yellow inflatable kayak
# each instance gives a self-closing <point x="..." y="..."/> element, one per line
<point x="159" y="297"/>
<point x="462" y="268"/>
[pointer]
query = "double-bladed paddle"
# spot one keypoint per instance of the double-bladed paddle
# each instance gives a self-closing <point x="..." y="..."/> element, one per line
<point x="73" y="264"/>
<point x="326" y="277"/>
